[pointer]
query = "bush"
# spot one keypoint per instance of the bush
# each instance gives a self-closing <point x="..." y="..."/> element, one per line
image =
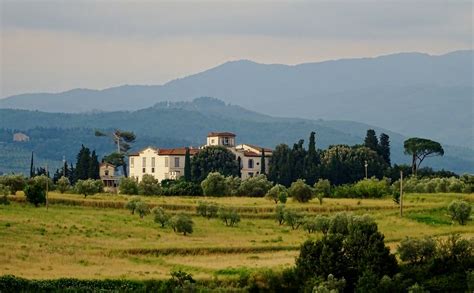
<point x="35" y="193"/>
<point x="300" y="191"/>
<point x="15" y="182"/>
<point x="322" y="224"/>
<point x="160" y="216"/>
<point x="280" y="214"/>
<point x="4" y="192"/>
<point x="132" y="205"/>
<point x="256" y="186"/>
<point x="207" y="209"/>
<point x="214" y="185"/>
<point x="322" y="189"/>
<point x="339" y="223"/>
<point x="277" y="193"/>
<point x="149" y="185"/>
<point x="229" y="216"/>
<point x="89" y="186"/>
<point x="294" y="219"/>
<point x="182" y="224"/>
<point x="233" y="185"/>
<point x="63" y="184"/>
<point x="372" y="188"/>
<point x="309" y="224"/>
<point x="128" y="186"/>
<point x="417" y="250"/>
<point x="142" y="209"/>
<point x="460" y="211"/>
<point x="180" y="187"/>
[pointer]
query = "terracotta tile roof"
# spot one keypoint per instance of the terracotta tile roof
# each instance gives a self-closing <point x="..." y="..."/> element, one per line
<point x="220" y="134"/>
<point x="251" y="154"/>
<point x="177" y="152"/>
<point x="259" y="148"/>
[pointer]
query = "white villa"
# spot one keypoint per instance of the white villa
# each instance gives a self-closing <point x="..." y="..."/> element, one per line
<point x="169" y="163"/>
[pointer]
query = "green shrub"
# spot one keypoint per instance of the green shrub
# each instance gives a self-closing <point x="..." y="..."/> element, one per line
<point x="89" y="187"/>
<point x="63" y="184"/>
<point x="322" y="188"/>
<point x="322" y="224"/>
<point x="417" y="250"/>
<point x="35" y="193"/>
<point x="460" y="211"/>
<point x="276" y="193"/>
<point x="15" y="182"/>
<point x="4" y="192"/>
<point x="300" y="191"/>
<point x="229" y="216"/>
<point x="338" y="224"/>
<point x="372" y="188"/>
<point x="181" y="187"/>
<point x="160" y="216"/>
<point x="148" y="185"/>
<point x="256" y="186"/>
<point x="182" y="224"/>
<point x="214" y="185"/>
<point x="128" y="186"/>
<point x="283" y="197"/>
<point x="233" y="185"/>
<point x="309" y="224"/>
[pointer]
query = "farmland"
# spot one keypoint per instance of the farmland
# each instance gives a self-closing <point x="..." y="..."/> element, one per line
<point x="96" y="238"/>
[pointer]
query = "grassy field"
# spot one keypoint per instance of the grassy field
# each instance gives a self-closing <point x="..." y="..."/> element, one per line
<point x="97" y="238"/>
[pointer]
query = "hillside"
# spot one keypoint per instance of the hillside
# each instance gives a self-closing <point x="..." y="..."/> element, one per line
<point x="187" y="123"/>
<point x="410" y="93"/>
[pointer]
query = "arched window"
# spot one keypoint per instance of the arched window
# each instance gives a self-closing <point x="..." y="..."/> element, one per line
<point x="250" y="164"/>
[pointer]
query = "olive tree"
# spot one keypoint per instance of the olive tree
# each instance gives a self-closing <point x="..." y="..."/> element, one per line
<point x="35" y="193"/>
<point x="160" y="216"/>
<point x="88" y="187"/>
<point x="142" y="209"/>
<point x="460" y="211"/>
<point x="149" y="185"/>
<point x="214" y="185"/>
<point x="207" y="209"/>
<point x="182" y="224"/>
<point x="229" y="216"/>
<point x="63" y="184"/>
<point x="128" y="186"/>
<point x="132" y="204"/>
<point x="322" y="189"/>
<point x="300" y="191"/>
<point x="275" y="193"/>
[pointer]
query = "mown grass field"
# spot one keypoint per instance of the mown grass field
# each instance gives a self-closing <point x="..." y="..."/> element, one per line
<point x="97" y="238"/>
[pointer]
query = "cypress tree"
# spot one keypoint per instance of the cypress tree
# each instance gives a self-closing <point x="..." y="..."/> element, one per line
<point x="187" y="166"/>
<point x="371" y="140"/>
<point x="32" y="167"/>
<point x="82" y="164"/>
<point x="262" y="163"/>
<point x="312" y="161"/>
<point x="384" y="148"/>
<point x="239" y="162"/>
<point x="72" y="175"/>
<point x="93" y="170"/>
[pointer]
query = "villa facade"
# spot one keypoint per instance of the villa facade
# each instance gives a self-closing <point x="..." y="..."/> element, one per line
<point x="169" y="163"/>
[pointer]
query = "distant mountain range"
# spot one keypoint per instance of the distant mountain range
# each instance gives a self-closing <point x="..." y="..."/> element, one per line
<point x="169" y="124"/>
<point x="411" y="93"/>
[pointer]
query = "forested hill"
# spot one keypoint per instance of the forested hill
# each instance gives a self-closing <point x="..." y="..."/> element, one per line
<point x="186" y="123"/>
<point x="411" y="93"/>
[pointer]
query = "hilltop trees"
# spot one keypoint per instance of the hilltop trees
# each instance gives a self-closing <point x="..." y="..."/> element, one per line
<point x="421" y="148"/>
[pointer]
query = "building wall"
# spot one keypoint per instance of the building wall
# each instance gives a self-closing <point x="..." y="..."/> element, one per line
<point x="104" y="168"/>
<point x="221" y="140"/>
<point x="164" y="166"/>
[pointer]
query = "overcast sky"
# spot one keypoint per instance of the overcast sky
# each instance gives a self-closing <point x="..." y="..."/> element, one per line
<point x="52" y="46"/>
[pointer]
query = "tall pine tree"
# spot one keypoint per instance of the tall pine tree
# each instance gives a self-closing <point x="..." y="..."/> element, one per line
<point x="384" y="148"/>
<point x="371" y="140"/>
<point x="187" y="166"/>
<point x="83" y="164"/>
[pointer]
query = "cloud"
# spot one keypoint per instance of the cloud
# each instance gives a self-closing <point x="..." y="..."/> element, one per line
<point x="54" y="46"/>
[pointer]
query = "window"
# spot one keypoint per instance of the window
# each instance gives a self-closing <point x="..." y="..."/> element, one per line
<point x="166" y="161"/>
<point x="152" y="170"/>
<point x="250" y="164"/>
<point x="144" y="162"/>
<point x="176" y="162"/>
<point x="143" y="170"/>
<point x="153" y="162"/>
<point x="132" y="162"/>
<point x="106" y="172"/>
<point x="212" y="141"/>
<point x="250" y="174"/>
<point x="226" y="141"/>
